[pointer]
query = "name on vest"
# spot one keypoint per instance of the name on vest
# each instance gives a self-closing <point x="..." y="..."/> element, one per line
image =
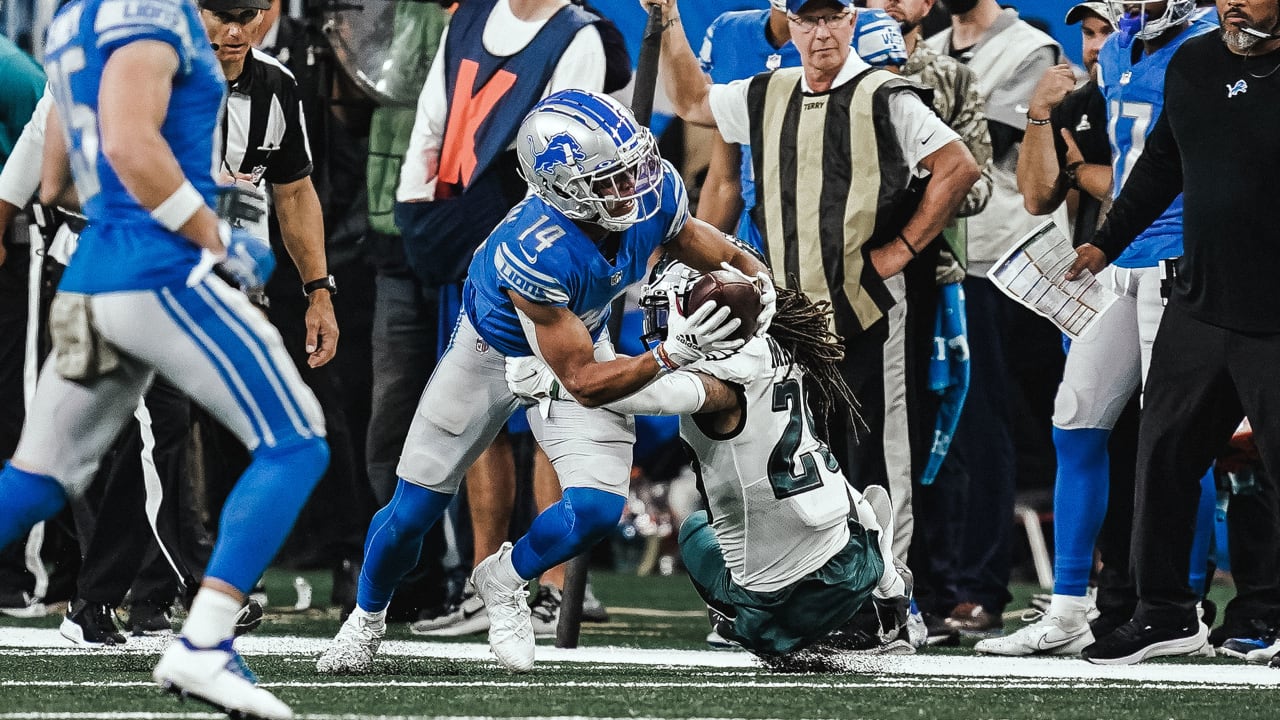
<point x="815" y="104"/>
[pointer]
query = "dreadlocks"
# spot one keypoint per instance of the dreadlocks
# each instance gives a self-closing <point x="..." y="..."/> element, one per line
<point x="803" y="328"/>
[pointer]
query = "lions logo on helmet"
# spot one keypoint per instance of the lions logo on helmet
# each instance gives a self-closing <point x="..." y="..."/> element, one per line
<point x="561" y="150"/>
<point x="584" y="154"/>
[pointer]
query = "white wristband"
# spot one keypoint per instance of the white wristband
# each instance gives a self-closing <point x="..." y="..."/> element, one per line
<point x="178" y="208"/>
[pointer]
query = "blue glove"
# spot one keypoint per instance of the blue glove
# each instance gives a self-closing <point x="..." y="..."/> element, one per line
<point x="249" y="259"/>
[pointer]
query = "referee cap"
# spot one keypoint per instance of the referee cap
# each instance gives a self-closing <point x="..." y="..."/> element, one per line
<point x="229" y="5"/>
<point x="1080" y="11"/>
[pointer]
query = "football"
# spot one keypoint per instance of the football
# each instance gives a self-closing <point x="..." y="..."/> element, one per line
<point x="730" y="290"/>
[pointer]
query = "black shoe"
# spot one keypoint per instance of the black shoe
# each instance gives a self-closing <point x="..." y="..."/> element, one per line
<point x="940" y="634"/>
<point x="91" y="624"/>
<point x="249" y="617"/>
<point x="1136" y="641"/>
<point x="860" y="634"/>
<point x="346" y="578"/>
<point x="1108" y="622"/>
<point x="149" y="618"/>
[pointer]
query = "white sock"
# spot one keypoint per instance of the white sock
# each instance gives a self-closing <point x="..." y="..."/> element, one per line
<point x="1070" y="609"/>
<point x="375" y="618"/>
<point x="212" y="618"/>
<point x="505" y="572"/>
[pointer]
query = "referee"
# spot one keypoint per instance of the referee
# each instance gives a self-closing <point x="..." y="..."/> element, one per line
<point x="1215" y="354"/>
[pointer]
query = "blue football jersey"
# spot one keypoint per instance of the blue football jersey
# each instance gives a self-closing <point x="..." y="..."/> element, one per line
<point x="737" y="47"/>
<point x="124" y="248"/>
<point x="1135" y="98"/>
<point x="544" y="257"/>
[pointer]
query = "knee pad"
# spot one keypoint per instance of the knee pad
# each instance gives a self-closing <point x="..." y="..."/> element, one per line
<point x="595" y="512"/>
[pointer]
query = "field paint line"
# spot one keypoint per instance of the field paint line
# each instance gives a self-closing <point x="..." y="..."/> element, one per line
<point x="863" y="666"/>
<point x="650" y="612"/>
<point x="302" y="716"/>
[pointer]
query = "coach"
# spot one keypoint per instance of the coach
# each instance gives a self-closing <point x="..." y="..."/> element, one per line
<point x="1218" y="345"/>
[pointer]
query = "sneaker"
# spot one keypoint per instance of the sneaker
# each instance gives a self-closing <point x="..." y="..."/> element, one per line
<point x="91" y="624"/>
<point x="592" y="609"/>
<point x="1265" y="655"/>
<point x="894" y="612"/>
<point x="466" y="618"/>
<point x="510" y="623"/>
<point x="1241" y="647"/>
<point x="22" y="604"/>
<point x="1135" y="641"/>
<point x="259" y="594"/>
<point x="1052" y="635"/>
<point x="544" y="611"/>
<point x="353" y="648"/>
<point x="149" y="618"/>
<point x="249" y="617"/>
<point x="218" y="677"/>
<point x="973" y="619"/>
<point x="917" y="632"/>
<point x="938" y="633"/>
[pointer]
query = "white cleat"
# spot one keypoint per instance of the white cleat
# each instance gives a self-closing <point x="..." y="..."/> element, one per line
<point x="218" y="677"/>
<point x="353" y="648"/>
<point x="510" y="621"/>
<point x="1051" y="635"/>
<point x="1263" y="656"/>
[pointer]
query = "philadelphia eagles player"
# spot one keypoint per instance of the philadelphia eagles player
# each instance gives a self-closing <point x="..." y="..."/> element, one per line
<point x="778" y="551"/>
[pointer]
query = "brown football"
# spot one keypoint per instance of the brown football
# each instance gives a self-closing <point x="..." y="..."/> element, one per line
<point x="729" y="290"/>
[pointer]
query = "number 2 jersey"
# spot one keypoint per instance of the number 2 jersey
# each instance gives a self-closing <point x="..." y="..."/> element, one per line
<point x="124" y="248"/>
<point x="1135" y="99"/>
<point x="777" y="500"/>
<point x="545" y="258"/>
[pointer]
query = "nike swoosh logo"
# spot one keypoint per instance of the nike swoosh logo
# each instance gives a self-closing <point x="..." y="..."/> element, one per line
<point x="926" y="140"/>
<point x="533" y="259"/>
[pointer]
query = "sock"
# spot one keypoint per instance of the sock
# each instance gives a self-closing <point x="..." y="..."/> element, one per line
<point x="505" y="571"/>
<point x="1079" y="505"/>
<point x="583" y="516"/>
<point x="395" y="540"/>
<point x="212" y="618"/>
<point x="26" y="499"/>
<point x="261" y="510"/>
<point x="1202" y="543"/>
<point x="1071" y="609"/>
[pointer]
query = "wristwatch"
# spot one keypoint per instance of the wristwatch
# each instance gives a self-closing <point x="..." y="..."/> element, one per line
<point x="325" y="283"/>
<point x="1071" y="172"/>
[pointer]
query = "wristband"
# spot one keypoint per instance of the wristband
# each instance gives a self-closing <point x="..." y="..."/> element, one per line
<point x="665" y="363"/>
<point x="671" y="21"/>
<point x="1070" y="171"/>
<point x="910" y="249"/>
<point x="1038" y="121"/>
<point x="178" y="208"/>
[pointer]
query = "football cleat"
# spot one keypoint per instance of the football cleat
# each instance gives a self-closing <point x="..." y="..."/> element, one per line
<point x="1051" y="635"/>
<point x="510" y="621"/>
<point x="218" y="677"/>
<point x="544" y="611"/>
<point x="353" y="648"/>
<point x="466" y="618"/>
<point x="1263" y="656"/>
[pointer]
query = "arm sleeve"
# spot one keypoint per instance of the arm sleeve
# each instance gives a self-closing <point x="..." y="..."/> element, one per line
<point x="679" y="393"/>
<point x="729" y="107"/>
<point x="428" y="130"/>
<point x="21" y="174"/>
<point x="1156" y="179"/>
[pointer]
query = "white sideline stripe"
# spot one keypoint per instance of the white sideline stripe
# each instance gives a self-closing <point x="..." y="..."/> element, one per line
<point x="304" y="716"/>
<point x="1057" y="671"/>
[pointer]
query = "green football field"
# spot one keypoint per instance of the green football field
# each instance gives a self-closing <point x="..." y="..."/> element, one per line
<point x="649" y="661"/>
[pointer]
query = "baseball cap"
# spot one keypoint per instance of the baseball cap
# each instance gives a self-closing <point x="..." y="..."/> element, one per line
<point x="1078" y="12"/>
<point x="793" y="6"/>
<point x="229" y="5"/>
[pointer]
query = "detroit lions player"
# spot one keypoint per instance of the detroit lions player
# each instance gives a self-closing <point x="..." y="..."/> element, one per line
<point x="138" y="93"/>
<point x="774" y="552"/>
<point x="1106" y="366"/>
<point x="602" y="203"/>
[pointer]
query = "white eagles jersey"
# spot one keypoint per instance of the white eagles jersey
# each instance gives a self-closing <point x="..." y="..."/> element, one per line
<point x="777" y="499"/>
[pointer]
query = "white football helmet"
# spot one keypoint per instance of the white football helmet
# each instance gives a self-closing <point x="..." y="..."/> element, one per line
<point x="667" y="274"/>
<point x="1133" y="18"/>
<point x="585" y="154"/>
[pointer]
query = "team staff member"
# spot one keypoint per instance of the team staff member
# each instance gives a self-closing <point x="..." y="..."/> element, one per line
<point x="841" y="210"/>
<point x="1218" y="344"/>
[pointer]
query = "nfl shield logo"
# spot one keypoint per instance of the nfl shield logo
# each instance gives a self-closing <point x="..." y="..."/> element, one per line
<point x="615" y="278"/>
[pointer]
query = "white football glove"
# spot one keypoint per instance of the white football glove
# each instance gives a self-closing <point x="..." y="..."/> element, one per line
<point x="705" y="331"/>
<point x="531" y="380"/>
<point x="768" y="297"/>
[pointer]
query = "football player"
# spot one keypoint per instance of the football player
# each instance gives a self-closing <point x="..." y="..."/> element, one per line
<point x="138" y="93"/>
<point x="603" y="201"/>
<point x="778" y="551"/>
<point x="1105" y="367"/>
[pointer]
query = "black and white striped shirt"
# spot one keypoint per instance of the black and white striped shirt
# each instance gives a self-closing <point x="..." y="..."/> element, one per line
<point x="264" y="129"/>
